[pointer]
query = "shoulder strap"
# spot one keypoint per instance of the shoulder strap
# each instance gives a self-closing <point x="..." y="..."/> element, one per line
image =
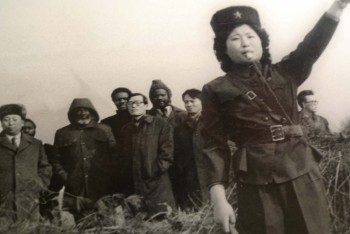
<point x="254" y="98"/>
<point x="263" y="79"/>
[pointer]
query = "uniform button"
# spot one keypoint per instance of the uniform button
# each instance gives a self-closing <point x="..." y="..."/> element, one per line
<point x="18" y="174"/>
<point x="284" y="120"/>
<point x="266" y="118"/>
<point x="86" y="176"/>
<point x="84" y="159"/>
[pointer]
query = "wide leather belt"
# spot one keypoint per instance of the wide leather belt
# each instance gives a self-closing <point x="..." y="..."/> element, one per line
<point x="274" y="133"/>
<point x="280" y="132"/>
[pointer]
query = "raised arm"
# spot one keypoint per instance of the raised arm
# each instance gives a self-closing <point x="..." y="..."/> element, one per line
<point x="298" y="64"/>
<point x="336" y="9"/>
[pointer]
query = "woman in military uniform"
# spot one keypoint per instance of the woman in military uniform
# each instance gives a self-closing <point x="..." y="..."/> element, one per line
<point x="279" y="183"/>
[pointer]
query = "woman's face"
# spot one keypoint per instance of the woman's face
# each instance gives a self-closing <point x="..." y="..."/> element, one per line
<point x="243" y="45"/>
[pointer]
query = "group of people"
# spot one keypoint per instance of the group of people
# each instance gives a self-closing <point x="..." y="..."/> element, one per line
<point x="155" y="153"/>
<point x="173" y="157"/>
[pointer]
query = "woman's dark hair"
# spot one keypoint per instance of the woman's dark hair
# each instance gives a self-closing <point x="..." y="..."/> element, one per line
<point x="220" y="47"/>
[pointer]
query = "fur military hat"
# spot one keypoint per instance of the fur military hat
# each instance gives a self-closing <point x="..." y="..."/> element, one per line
<point x="13" y="109"/>
<point x="158" y="84"/>
<point x="230" y="17"/>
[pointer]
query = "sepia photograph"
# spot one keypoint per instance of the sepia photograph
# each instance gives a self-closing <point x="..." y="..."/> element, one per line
<point x="187" y="116"/>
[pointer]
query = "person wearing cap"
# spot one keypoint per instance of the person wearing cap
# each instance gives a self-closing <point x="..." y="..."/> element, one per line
<point x="313" y="125"/>
<point x="280" y="188"/>
<point x="160" y="96"/>
<point x="83" y="151"/>
<point x="24" y="168"/>
<point x="120" y="98"/>
<point x="146" y="147"/>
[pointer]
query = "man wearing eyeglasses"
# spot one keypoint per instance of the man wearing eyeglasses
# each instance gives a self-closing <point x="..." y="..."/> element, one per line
<point x="146" y="146"/>
<point x="313" y="125"/>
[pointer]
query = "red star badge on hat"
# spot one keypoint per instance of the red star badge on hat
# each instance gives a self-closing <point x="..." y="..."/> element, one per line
<point x="237" y="15"/>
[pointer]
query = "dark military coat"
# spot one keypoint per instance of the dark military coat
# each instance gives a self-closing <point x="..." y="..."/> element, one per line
<point x="228" y="113"/>
<point x="23" y="174"/>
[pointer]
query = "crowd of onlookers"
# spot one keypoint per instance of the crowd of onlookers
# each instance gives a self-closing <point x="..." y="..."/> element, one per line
<point x="152" y="152"/>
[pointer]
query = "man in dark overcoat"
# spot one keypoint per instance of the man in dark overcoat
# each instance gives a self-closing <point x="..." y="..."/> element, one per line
<point x="190" y="171"/>
<point x="24" y="169"/>
<point x="83" y="151"/>
<point x="120" y="98"/>
<point x="146" y="145"/>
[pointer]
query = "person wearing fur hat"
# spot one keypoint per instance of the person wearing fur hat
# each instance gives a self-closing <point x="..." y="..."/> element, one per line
<point x="24" y="168"/>
<point x="83" y="151"/>
<point x="280" y="188"/>
<point x="160" y="96"/>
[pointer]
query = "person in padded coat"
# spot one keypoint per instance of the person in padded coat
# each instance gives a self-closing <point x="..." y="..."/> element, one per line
<point x="83" y="151"/>
<point x="280" y="188"/>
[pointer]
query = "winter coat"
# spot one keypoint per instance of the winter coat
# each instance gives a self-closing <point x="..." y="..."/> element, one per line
<point x="24" y="172"/>
<point x="190" y="170"/>
<point x="148" y="152"/>
<point x="82" y="156"/>
<point x="176" y="117"/>
<point x="116" y="122"/>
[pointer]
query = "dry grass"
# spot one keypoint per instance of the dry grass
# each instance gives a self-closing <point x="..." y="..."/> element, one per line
<point x="116" y="214"/>
<point x="335" y="168"/>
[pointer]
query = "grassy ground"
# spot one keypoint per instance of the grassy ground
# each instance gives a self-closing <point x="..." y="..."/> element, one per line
<point x="116" y="215"/>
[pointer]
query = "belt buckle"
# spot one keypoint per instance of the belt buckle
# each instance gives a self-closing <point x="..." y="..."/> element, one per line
<point x="251" y="95"/>
<point x="277" y="133"/>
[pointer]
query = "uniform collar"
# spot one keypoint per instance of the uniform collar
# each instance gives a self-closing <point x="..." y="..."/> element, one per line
<point x="247" y="70"/>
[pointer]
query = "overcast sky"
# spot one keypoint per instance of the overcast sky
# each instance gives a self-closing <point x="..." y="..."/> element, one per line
<point x="55" y="50"/>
